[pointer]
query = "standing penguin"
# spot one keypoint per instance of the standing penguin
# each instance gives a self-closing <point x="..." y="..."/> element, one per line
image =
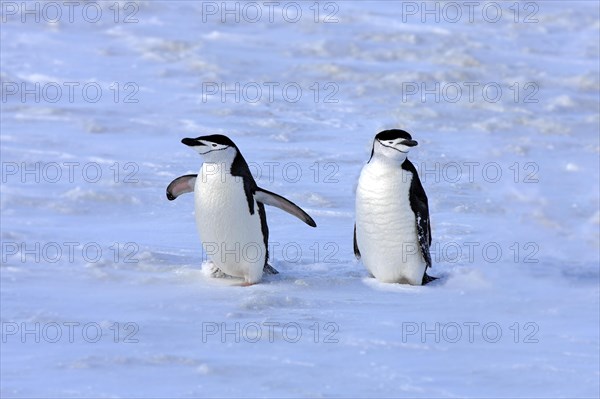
<point x="392" y="233"/>
<point x="230" y="213"/>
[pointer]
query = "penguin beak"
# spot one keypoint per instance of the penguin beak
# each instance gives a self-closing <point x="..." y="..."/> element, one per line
<point x="192" y="142"/>
<point x="409" y="143"/>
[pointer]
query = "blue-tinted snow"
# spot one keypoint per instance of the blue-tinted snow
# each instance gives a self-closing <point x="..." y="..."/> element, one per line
<point x="544" y="300"/>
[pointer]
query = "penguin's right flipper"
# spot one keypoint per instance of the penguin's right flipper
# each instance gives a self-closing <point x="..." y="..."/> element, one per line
<point x="268" y="269"/>
<point x="428" y="279"/>
<point x="356" y="250"/>
<point x="269" y="198"/>
<point x="420" y="207"/>
<point x="181" y="185"/>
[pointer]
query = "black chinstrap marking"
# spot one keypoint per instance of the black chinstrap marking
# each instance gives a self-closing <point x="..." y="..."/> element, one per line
<point x="218" y="139"/>
<point x="393" y="148"/>
<point x="217" y="149"/>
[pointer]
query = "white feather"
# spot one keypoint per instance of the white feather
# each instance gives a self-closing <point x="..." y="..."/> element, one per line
<point x="386" y="232"/>
<point x="230" y="235"/>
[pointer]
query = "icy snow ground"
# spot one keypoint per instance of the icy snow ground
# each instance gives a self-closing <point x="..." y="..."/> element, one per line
<point x="521" y="323"/>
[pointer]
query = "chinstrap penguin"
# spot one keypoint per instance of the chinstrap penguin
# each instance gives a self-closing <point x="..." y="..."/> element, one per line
<point x="392" y="233"/>
<point x="230" y="209"/>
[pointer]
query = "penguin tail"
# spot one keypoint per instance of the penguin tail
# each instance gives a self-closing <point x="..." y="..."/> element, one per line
<point x="268" y="269"/>
<point x="428" y="279"/>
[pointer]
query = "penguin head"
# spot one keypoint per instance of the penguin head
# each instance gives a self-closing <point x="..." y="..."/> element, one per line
<point x="214" y="148"/>
<point x="392" y="145"/>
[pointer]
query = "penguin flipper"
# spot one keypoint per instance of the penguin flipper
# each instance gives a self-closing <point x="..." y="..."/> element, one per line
<point x="270" y="198"/>
<point x="181" y="185"/>
<point x="420" y="206"/>
<point x="424" y="236"/>
<point x="356" y="250"/>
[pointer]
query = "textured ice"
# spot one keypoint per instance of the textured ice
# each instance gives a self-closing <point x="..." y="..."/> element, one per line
<point x="357" y="335"/>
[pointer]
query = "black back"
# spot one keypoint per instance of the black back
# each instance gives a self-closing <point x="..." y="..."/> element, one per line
<point x="420" y="207"/>
<point x="239" y="168"/>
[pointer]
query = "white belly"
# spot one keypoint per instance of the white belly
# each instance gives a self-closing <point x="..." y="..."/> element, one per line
<point x="386" y="229"/>
<point x="231" y="236"/>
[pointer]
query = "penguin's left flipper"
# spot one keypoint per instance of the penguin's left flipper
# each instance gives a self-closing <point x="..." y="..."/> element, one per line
<point x="181" y="185"/>
<point x="269" y="198"/>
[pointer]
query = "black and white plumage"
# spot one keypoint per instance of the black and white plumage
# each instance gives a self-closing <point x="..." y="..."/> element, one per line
<point x="230" y="208"/>
<point x="392" y="234"/>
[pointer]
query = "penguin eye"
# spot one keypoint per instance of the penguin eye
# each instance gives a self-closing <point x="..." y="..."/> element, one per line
<point x="214" y="145"/>
<point x="391" y="142"/>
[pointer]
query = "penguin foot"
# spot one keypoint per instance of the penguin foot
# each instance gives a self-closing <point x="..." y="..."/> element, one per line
<point x="217" y="273"/>
<point x="213" y="271"/>
<point x="428" y="279"/>
<point x="246" y="284"/>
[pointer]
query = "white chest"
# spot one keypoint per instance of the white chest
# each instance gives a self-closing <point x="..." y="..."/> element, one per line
<point x="386" y="225"/>
<point x="230" y="234"/>
<point x="218" y="194"/>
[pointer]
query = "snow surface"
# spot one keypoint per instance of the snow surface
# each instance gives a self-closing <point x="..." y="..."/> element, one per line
<point x="544" y="299"/>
